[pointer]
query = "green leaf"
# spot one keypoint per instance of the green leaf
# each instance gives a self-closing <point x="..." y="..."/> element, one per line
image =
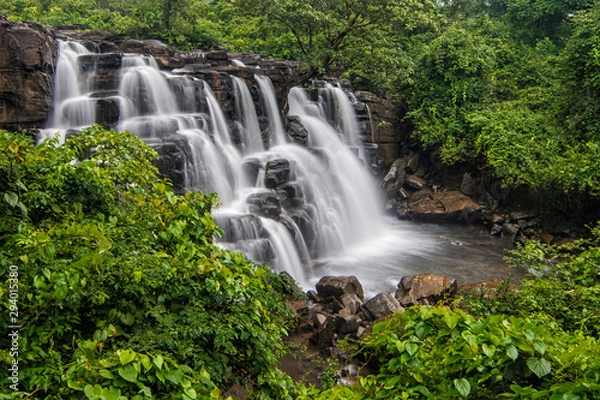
<point x="451" y="319"/>
<point x="126" y="356"/>
<point x="463" y="386"/>
<point x="488" y="350"/>
<point x="128" y="319"/>
<point x="191" y="392"/>
<point x="174" y="376"/>
<point x="158" y="361"/>
<point x="106" y="374"/>
<point x="73" y="279"/>
<point x="113" y="394"/>
<point x="89" y="391"/>
<point x="146" y="362"/>
<point x="411" y="348"/>
<point x="77" y="385"/>
<point x="128" y="373"/>
<point x="11" y="198"/>
<point x="512" y="352"/>
<point x="61" y="290"/>
<point x="539" y="347"/>
<point x="422" y="329"/>
<point x="539" y="366"/>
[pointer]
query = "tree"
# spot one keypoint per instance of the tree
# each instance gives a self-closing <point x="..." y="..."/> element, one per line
<point x="580" y="68"/>
<point x="323" y="29"/>
<point x="121" y="289"/>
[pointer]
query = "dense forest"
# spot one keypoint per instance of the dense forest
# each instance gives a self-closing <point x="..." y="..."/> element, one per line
<point x="123" y="294"/>
<point x="508" y="87"/>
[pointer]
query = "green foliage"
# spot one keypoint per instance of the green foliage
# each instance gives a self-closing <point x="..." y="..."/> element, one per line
<point x="436" y="353"/>
<point x="458" y="67"/>
<point x="565" y="288"/>
<point x="542" y="18"/>
<point x="122" y="291"/>
<point x="186" y="24"/>
<point x="322" y="31"/>
<point x="581" y="66"/>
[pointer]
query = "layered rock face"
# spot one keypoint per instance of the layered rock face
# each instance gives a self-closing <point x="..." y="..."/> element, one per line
<point x="27" y="58"/>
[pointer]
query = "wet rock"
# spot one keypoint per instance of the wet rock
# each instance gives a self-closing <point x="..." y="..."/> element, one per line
<point x="240" y="227"/>
<point x="469" y="186"/>
<point x="108" y="111"/>
<point x="496" y="229"/>
<point x="296" y="130"/>
<point x="27" y="57"/>
<point x="381" y="305"/>
<point x="303" y="219"/>
<point x="347" y="323"/>
<point x="522" y="215"/>
<point x="252" y="166"/>
<point x="424" y="289"/>
<point x="166" y="56"/>
<point x="416" y="182"/>
<point x="546" y="237"/>
<point x="265" y="204"/>
<point x="351" y="303"/>
<point x="103" y="70"/>
<point x="326" y="335"/>
<point x="378" y="119"/>
<point x="338" y="285"/>
<point x="404" y="193"/>
<point x="412" y="163"/>
<point x="314" y="296"/>
<point x="319" y="319"/>
<point x="510" y="230"/>
<point x="294" y="195"/>
<point x="277" y="172"/>
<point x="173" y="153"/>
<point x="440" y="206"/>
<point x="394" y="179"/>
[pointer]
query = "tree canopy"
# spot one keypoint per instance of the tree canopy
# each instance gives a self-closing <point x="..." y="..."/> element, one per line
<point x="121" y="290"/>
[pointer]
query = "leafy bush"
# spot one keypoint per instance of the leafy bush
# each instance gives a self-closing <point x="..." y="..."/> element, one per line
<point x="122" y="291"/>
<point x="437" y="353"/>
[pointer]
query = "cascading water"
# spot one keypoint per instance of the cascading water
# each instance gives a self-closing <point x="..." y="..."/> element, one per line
<point x="277" y="134"/>
<point x="73" y="107"/>
<point x="298" y="208"/>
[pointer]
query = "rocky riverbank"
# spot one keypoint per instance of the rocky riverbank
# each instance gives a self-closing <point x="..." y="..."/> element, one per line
<point x="338" y="310"/>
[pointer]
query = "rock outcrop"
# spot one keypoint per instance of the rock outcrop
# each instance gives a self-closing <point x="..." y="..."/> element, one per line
<point x="338" y="309"/>
<point x="379" y="118"/>
<point x="411" y="196"/>
<point x="27" y="57"/>
<point x="28" y="54"/>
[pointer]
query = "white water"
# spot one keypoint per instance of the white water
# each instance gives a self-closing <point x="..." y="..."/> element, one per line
<point x="333" y="225"/>
<point x="73" y="108"/>
<point x="247" y="118"/>
<point x="277" y="134"/>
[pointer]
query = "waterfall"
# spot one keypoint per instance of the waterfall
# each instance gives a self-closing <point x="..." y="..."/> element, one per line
<point x="286" y="205"/>
<point x="73" y="107"/>
<point x="277" y="134"/>
<point x="247" y="118"/>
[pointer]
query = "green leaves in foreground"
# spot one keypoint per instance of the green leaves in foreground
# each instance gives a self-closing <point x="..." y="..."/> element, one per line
<point x="122" y="291"/>
<point x="462" y="356"/>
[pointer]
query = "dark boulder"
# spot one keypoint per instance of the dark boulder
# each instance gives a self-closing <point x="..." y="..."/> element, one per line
<point x="424" y="289"/>
<point x="265" y="204"/>
<point x="277" y="172"/>
<point x="337" y="286"/>
<point x="382" y="305"/>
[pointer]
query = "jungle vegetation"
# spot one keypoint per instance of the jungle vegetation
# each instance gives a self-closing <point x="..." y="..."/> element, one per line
<point x="123" y="293"/>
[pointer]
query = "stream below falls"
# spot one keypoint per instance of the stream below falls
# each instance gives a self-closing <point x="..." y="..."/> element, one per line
<point x="467" y="253"/>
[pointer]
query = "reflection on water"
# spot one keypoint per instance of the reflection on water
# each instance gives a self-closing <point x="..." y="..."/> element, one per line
<point x="466" y="253"/>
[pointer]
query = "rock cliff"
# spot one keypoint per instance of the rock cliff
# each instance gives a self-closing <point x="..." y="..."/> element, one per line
<point x="28" y="55"/>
